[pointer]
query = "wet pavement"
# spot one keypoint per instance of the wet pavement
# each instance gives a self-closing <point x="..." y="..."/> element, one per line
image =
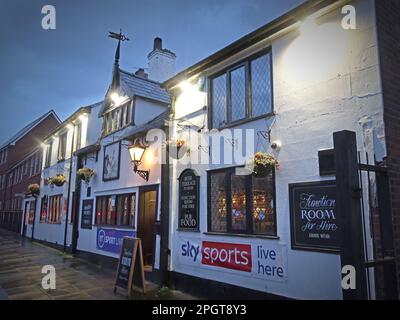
<point x="21" y="262"/>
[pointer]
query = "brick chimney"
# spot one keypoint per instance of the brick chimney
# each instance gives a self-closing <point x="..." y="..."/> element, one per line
<point x="161" y="62"/>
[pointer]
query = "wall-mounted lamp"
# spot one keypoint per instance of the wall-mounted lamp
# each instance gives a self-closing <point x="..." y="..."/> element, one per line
<point x="136" y="152"/>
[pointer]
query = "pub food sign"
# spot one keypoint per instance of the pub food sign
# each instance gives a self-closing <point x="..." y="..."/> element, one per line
<point x="189" y="201"/>
<point x="313" y="215"/>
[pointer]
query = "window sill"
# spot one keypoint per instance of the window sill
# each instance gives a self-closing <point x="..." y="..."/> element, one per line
<point x="52" y="222"/>
<point x="242" y="235"/>
<point x="244" y="121"/>
<point x="113" y="226"/>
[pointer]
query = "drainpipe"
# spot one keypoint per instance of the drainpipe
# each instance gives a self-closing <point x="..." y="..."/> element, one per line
<point x="77" y="201"/>
<point x="165" y="189"/>
<point x="34" y="218"/>
<point x="69" y="187"/>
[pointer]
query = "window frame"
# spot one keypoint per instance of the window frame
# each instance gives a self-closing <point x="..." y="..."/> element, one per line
<point x="52" y="209"/>
<point x="62" y="148"/>
<point x="99" y="202"/>
<point x="49" y="151"/>
<point x="108" y="121"/>
<point x="248" y="90"/>
<point x="229" y="171"/>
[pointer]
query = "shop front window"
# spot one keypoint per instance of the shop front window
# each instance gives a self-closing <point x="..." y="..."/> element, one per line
<point x="116" y="210"/>
<point x="241" y="204"/>
<point x="55" y="209"/>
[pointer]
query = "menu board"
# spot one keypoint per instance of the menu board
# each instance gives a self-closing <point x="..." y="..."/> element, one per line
<point x="87" y="214"/>
<point x="130" y="266"/>
<point x="315" y="224"/>
<point x="125" y="263"/>
<point x="189" y="188"/>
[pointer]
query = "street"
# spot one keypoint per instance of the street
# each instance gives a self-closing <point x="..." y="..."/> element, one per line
<point x="21" y="262"/>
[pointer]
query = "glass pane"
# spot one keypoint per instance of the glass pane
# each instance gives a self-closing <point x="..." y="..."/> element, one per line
<point x="238" y="194"/>
<point x="261" y="85"/>
<point x="219" y="101"/>
<point x="263" y="205"/>
<point x="125" y="210"/>
<point x="120" y="208"/>
<point x="218" y="202"/>
<point x="238" y="93"/>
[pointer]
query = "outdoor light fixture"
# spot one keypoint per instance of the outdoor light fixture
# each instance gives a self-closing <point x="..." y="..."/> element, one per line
<point x="136" y="152"/>
<point x="83" y="116"/>
<point x="114" y="97"/>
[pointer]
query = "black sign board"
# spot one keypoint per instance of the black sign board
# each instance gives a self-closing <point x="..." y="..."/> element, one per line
<point x="130" y="266"/>
<point x="314" y="220"/>
<point x="87" y="214"/>
<point x="189" y="191"/>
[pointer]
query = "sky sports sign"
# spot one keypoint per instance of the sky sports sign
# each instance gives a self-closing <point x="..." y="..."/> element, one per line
<point x="257" y="259"/>
<point x="110" y="240"/>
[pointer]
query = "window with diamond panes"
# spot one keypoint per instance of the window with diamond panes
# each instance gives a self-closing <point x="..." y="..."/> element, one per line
<point x="218" y="202"/>
<point x="241" y="204"/>
<point x="261" y="86"/>
<point x="249" y="97"/>
<point x="219" y="115"/>
<point x="238" y="93"/>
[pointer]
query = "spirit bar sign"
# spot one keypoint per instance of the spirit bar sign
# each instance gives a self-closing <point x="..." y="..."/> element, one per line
<point x="189" y="188"/>
<point x="314" y="220"/>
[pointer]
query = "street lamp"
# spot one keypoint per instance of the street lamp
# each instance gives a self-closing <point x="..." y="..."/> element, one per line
<point x="136" y="152"/>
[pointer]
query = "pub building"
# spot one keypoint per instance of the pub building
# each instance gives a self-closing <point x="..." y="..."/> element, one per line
<point x="295" y="84"/>
<point x="100" y="182"/>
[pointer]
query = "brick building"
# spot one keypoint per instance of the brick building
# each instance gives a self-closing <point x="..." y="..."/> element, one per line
<point x="20" y="165"/>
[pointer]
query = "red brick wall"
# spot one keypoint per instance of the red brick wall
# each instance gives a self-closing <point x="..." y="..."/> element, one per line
<point x="24" y="147"/>
<point x="388" y="29"/>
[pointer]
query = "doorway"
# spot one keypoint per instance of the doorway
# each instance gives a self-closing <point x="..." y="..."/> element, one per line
<point x="146" y="223"/>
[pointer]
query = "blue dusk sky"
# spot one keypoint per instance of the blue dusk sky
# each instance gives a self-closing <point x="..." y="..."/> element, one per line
<point x="71" y="66"/>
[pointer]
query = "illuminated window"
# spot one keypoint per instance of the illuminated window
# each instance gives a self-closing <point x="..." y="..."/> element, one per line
<point x="55" y="209"/>
<point x="241" y="203"/>
<point x="116" y="210"/>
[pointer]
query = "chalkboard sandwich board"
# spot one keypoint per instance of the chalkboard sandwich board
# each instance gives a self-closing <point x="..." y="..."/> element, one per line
<point x="130" y="266"/>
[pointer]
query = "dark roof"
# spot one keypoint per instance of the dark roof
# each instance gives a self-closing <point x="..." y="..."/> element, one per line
<point x="88" y="149"/>
<point x="158" y="122"/>
<point x="282" y="22"/>
<point x="27" y="128"/>
<point x="134" y="85"/>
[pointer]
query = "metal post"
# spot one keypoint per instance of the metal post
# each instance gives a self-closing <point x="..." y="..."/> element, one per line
<point x="349" y="211"/>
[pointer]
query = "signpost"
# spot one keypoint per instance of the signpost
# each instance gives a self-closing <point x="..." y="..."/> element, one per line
<point x="189" y="191"/>
<point x="314" y="221"/>
<point x="130" y="266"/>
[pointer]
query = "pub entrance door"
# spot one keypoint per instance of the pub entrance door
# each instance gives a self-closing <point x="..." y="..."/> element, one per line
<point x="146" y="223"/>
<point x="363" y="204"/>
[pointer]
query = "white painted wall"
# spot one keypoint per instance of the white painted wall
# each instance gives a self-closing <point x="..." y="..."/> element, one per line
<point x="161" y="65"/>
<point x="324" y="80"/>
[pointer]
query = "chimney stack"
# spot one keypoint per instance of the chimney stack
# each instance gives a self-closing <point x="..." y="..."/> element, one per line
<point x="157" y="44"/>
<point x="161" y="62"/>
<point x="140" y="73"/>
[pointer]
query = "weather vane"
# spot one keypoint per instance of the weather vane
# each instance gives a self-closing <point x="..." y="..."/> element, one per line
<point x="119" y="36"/>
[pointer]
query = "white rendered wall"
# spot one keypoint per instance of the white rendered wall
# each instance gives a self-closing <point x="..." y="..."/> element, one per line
<point x="324" y="81"/>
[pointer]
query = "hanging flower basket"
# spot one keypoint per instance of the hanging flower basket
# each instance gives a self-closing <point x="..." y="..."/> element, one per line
<point x="34" y="189"/>
<point x="263" y="164"/>
<point x="57" y="181"/>
<point x="177" y="148"/>
<point x="85" y="174"/>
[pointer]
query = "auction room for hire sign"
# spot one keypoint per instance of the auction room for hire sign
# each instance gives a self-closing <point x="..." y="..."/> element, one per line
<point x="257" y="259"/>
